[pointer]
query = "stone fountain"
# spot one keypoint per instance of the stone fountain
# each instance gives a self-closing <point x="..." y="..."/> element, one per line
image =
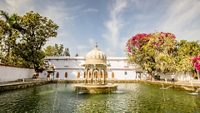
<point x="95" y="74"/>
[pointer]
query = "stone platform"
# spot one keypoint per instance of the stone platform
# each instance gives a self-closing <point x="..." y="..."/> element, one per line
<point x="95" y="89"/>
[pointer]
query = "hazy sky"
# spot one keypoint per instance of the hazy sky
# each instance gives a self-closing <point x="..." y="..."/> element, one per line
<point x="112" y="22"/>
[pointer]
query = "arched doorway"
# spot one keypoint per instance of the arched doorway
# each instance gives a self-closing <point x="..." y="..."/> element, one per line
<point x="66" y="75"/>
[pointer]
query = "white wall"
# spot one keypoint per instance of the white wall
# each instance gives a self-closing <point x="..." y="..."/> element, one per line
<point x="13" y="73"/>
<point x="120" y="75"/>
<point x="184" y="76"/>
<point x="178" y="76"/>
<point x="120" y="66"/>
<point x="72" y="65"/>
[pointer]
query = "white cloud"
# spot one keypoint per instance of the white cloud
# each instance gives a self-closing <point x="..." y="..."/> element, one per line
<point x="56" y="12"/>
<point x="114" y="25"/>
<point x="181" y="19"/>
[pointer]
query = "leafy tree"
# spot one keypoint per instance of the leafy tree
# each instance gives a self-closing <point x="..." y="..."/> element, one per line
<point x="66" y="52"/>
<point x="49" y="51"/>
<point x="56" y="50"/>
<point x="38" y="30"/>
<point x="22" y="38"/>
<point x="185" y="51"/>
<point x="59" y="49"/>
<point x="165" y="48"/>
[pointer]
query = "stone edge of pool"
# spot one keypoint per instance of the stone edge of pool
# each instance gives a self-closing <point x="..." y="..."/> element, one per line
<point x="177" y="85"/>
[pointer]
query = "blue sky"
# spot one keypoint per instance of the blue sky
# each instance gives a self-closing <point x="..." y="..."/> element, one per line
<point x="111" y="23"/>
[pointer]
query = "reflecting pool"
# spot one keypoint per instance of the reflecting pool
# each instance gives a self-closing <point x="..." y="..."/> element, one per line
<point x="134" y="97"/>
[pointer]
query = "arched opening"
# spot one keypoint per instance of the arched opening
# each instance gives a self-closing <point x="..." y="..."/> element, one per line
<point x="101" y="74"/>
<point x="89" y="76"/>
<point x="95" y="76"/>
<point x="57" y="75"/>
<point x="66" y="74"/>
<point x="78" y="75"/>
<point x="102" y="79"/>
<point x="113" y="75"/>
<point x="106" y="75"/>
<point x="48" y="75"/>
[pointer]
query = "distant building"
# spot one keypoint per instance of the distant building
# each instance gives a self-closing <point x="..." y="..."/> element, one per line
<point x="67" y="67"/>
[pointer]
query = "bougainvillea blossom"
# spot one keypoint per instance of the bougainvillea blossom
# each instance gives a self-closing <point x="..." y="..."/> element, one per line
<point x="138" y="40"/>
<point x="196" y="62"/>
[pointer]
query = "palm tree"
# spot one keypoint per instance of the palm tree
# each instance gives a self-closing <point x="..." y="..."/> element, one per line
<point x="7" y="33"/>
<point x="11" y="30"/>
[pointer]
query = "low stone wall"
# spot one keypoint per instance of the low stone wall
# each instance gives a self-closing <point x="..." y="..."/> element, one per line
<point x="21" y="85"/>
<point x="165" y="85"/>
<point x="8" y="73"/>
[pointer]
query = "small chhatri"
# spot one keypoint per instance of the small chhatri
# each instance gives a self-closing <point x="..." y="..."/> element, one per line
<point x="95" y="74"/>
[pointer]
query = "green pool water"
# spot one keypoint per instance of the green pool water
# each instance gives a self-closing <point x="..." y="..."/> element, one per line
<point x="130" y="98"/>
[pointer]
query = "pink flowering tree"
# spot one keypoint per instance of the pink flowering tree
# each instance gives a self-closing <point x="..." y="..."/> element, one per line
<point x="196" y="64"/>
<point x="152" y="52"/>
<point x="135" y="43"/>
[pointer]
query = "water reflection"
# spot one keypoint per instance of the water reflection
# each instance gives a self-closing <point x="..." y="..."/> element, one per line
<point x="61" y="98"/>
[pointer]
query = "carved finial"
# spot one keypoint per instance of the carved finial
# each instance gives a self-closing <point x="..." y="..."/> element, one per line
<point x="96" y="45"/>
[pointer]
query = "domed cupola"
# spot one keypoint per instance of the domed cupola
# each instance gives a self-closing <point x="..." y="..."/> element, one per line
<point x="95" y="56"/>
